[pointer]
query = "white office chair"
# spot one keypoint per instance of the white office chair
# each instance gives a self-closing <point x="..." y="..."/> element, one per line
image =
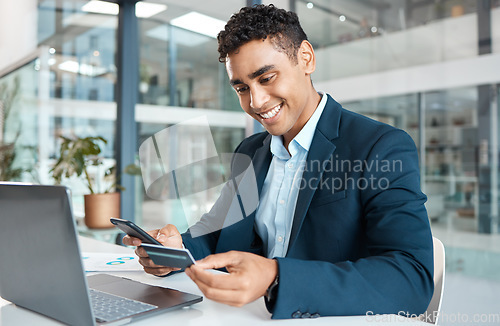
<point x="439" y="261"/>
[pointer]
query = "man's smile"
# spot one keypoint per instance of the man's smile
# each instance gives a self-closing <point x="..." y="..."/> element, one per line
<point x="271" y="113"/>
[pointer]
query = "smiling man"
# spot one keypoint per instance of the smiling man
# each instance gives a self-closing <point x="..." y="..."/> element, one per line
<point x="341" y="227"/>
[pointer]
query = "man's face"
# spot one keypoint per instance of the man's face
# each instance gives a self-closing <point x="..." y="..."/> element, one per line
<point x="271" y="88"/>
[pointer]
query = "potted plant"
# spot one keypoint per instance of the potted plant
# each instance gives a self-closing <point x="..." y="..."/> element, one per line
<point x="76" y="155"/>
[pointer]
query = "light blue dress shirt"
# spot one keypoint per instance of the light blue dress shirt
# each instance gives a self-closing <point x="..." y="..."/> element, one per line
<point x="274" y="216"/>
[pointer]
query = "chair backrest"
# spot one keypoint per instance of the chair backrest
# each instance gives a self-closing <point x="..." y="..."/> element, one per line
<point x="439" y="271"/>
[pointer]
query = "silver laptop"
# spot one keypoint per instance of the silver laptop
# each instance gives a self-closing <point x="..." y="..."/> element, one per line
<point x="41" y="267"/>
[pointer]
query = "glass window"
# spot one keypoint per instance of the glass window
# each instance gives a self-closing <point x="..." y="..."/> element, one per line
<point x="451" y="140"/>
<point x="495" y="26"/>
<point x="191" y="147"/>
<point x="19" y="129"/>
<point x="398" y="111"/>
<point x="374" y="36"/>
<point x="180" y="75"/>
<point x="179" y="65"/>
<point x="82" y="50"/>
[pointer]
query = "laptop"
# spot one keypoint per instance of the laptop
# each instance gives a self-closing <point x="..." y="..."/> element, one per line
<point x="41" y="267"/>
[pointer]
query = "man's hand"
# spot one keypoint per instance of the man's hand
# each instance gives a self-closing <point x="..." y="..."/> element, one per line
<point x="168" y="236"/>
<point x="249" y="277"/>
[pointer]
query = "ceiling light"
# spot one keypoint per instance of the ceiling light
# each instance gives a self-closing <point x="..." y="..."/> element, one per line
<point x="101" y="7"/>
<point x="342" y="18"/>
<point x="181" y="36"/>
<point x="310" y="5"/>
<point x="142" y="9"/>
<point x="70" y="65"/>
<point x="83" y="69"/>
<point x="148" y="9"/>
<point x="199" y="23"/>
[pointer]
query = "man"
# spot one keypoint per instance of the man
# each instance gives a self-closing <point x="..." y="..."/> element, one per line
<point x="341" y="227"/>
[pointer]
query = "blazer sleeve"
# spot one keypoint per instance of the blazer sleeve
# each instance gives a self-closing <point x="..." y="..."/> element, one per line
<point x="396" y="276"/>
<point x="202" y="238"/>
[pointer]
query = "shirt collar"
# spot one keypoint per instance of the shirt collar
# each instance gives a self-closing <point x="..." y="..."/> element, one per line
<point x="303" y="138"/>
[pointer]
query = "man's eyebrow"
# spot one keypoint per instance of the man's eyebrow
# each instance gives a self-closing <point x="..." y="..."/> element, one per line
<point x="260" y="71"/>
<point x="235" y="82"/>
<point x="254" y="74"/>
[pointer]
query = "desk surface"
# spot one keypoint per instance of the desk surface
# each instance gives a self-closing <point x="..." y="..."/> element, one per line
<point x="205" y="313"/>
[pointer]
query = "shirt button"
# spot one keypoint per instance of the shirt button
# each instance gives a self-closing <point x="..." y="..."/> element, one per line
<point x="280" y="239"/>
<point x="282" y="202"/>
<point x="290" y="165"/>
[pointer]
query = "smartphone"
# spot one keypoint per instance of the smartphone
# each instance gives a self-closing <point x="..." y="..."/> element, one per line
<point x="171" y="257"/>
<point x="134" y="231"/>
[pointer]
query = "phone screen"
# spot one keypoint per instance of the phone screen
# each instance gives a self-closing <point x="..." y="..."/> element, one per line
<point x="134" y="231"/>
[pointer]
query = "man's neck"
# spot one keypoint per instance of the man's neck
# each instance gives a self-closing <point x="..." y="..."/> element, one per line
<point x="311" y="106"/>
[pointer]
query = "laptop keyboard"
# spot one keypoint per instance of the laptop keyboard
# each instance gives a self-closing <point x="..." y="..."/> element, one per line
<point x="108" y="307"/>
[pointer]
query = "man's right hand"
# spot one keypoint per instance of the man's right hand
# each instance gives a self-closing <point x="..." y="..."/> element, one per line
<point x="168" y="236"/>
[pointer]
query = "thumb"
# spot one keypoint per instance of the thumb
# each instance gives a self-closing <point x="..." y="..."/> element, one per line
<point x="216" y="261"/>
<point x="169" y="236"/>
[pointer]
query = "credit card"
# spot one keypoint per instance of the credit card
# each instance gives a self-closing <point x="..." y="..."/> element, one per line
<point x="170" y="257"/>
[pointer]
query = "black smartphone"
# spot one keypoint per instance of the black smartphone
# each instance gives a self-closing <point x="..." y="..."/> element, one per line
<point x="134" y="231"/>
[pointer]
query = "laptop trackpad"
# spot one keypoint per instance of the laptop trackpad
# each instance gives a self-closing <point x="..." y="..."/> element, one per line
<point x="155" y="295"/>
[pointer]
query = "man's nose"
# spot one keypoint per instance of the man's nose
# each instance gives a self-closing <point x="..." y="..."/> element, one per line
<point x="258" y="97"/>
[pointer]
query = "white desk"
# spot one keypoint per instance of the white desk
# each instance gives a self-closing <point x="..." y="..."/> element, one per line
<point x="206" y="313"/>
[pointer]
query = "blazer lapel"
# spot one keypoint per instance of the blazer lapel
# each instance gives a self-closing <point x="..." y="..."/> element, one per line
<point x="321" y="150"/>
<point x="261" y="161"/>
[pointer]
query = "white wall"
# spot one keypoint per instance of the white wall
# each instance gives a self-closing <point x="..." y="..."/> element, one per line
<point x="282" y="4"/>
<point x="495" y="30"/>
<point x="18" y="30"/>
<point x="473" y="71"/>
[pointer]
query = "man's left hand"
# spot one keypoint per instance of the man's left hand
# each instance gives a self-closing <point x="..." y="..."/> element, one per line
<point x="249" y="277"/>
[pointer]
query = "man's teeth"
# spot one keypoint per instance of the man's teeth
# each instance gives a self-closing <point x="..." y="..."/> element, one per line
<point x="271" y="113"/>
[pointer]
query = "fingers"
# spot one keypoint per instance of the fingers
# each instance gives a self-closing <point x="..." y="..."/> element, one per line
<point x="149" y="266"/>
<point x="169" y="236"/>
<point x="223" y="288"/>
<point x="220" y="281"/>
<point x="229" y="297"/>
<point x="131" y="241"/>
<point x="141" y="253"/>
<point x="249" y="277"/>
<point x="215" y="261"/>
<point x="164" y="271"/>
<point x="170" y="230"/>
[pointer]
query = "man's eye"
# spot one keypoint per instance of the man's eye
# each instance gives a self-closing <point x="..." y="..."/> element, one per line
<point x="241" y="89"/>
<point x="266" y="79"/>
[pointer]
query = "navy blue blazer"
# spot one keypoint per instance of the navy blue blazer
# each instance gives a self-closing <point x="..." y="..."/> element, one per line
<point x="360" y="239"/>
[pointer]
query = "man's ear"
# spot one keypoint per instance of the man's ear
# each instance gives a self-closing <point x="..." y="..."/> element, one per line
<point x="306" y="57"/>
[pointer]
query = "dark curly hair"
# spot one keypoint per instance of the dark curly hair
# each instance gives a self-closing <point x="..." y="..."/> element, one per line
<point x="259" y="22"/>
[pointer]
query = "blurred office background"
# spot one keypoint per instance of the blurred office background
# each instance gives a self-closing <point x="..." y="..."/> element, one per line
<point x="125" y="72"/>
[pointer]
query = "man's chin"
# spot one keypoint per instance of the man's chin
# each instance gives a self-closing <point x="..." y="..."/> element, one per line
<point x="274" y="131"/>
